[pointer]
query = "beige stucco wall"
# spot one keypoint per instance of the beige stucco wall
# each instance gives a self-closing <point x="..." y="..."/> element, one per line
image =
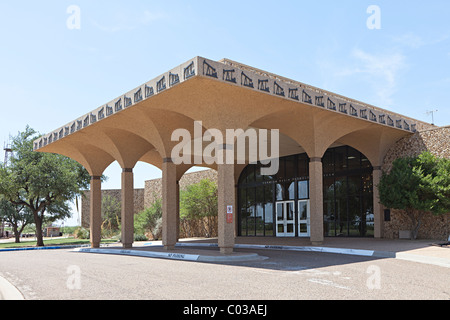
<point x="437" y="141"/>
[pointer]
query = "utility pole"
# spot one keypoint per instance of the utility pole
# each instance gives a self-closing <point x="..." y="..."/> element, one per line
<point x="432" y="112"/>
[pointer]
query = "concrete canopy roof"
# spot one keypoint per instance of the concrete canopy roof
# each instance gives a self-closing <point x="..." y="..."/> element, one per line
<point x="137" y="126"/>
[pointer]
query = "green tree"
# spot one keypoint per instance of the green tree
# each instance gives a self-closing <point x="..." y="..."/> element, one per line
<point x="42" y="182"/>
<point x="417" y="185"/>
<point x="199" y="202"/>
<point x="18" y="216"/>
<point x="150" y="220"/>
<point x="111" y="215"/>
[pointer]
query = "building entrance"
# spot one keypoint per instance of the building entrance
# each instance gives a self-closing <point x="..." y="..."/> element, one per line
<point x="285" y="212"/>
<point x="287" y="219"/>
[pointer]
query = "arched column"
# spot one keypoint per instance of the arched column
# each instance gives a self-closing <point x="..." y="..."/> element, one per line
<point x="95" y="211"/>
<point x="169" y="204"/>
<point x="316" y="200"/>
<point x="127" y="219"/>
<point x="226" y="207"/>
<point x="377" y="208"/>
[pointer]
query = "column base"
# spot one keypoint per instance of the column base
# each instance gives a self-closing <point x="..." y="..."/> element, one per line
<point x="95" y="245"/>
<point x="127" y="245"/>
<point x="226" y="250"/>
<point x="169" y="248"/>
<point x="316" y="243"/>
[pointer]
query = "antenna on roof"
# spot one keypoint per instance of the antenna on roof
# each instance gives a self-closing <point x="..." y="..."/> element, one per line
<point x="432" y="112"/>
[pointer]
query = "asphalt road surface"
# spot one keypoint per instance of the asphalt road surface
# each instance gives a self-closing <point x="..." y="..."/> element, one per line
<point x="67" y="275"/>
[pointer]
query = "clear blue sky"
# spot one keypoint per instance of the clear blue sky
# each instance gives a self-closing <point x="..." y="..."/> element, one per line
<point x="51" y="75"/>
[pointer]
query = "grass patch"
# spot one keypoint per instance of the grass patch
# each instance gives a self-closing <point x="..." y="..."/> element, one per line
<point x="52" y="242"/>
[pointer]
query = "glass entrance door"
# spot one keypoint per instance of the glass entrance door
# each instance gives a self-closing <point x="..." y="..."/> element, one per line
<point x="304" y="218"/>
<point x="285" y="219"/>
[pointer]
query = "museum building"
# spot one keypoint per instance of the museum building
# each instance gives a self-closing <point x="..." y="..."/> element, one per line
<point x="332" y="151"/>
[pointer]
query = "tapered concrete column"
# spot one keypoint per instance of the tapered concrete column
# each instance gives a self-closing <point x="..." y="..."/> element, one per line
<point x="96" y="211"/>
<point x="316" y="200"/>
<point x="169" y="204"/>
<point x="127" y="208"/>
<point x="226" y="200"/>
<point x="377" y="215"/>
<point x="178" y="210"/>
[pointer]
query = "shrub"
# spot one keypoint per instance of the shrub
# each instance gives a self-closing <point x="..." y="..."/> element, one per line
<point x="140" y="237"/>
<point x="82" y="233"/>
<point x="150" y="220"/>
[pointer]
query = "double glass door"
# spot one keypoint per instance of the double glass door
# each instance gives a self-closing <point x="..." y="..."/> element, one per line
<point x="287" y="220"/>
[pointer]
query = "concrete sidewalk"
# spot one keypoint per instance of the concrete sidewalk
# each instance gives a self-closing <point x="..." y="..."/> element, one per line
<point x="423" y="251"/>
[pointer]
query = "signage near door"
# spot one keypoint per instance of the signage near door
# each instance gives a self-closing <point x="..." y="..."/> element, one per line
<point x="229" y="214"/>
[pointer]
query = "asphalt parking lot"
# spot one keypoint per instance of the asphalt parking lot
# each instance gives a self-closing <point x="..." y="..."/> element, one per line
<point x="68" y="275"/>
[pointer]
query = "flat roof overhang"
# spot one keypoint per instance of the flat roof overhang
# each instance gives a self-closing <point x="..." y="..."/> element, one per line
<point x="138" y="125"/>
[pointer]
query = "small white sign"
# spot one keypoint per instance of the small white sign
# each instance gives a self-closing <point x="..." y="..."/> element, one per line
<point x="229" y="209"/>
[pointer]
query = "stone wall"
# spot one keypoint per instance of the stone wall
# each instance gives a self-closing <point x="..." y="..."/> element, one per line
<point x="143" y="198"/>
<point x="437" y="141"/>
<point x="85" y="203"/>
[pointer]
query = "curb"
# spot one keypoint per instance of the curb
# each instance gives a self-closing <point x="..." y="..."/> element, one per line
<point x="42" y="248"/>
<point x="8" y="291"/>
<point x="442" y="262"/>
<point x="172" y="255"/>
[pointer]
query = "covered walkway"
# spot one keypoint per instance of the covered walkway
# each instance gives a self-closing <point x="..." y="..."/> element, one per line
<point x="221" y="95"/>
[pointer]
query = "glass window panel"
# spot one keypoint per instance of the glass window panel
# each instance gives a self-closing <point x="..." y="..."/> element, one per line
<point x="258" y="176"/>
<point x="291" y="190"/>
<point x="279" y="189"/>
<point x="303" y="189"/>
<point x="290" y="228"/>
<point x="354" y="216"/>
<point x="303" y="210"/>
<point x="329" y="217"/>
<point x="354" y="184"/>
<point x="303" y="165"/>
<point x="243" y="225"/>
<point x="340" y="159"/>
<point x="280" y="228"/>
<point x="328" y="162"/>
<point x="281" y="170"/>
<point x="268" y="218"/>
<point x="290" y="211"/>
<point x="328" y="187"/>
<point x="365" y="163"/>
<point x="353" y="159"/>
<point x="367" y="217"/>
<point x="290" y="163"/>
<point x="303" y="228"/>
<point x="268" y="212"/>
<point x="280" y="211"/>
<point x="367" y="183"/>
<point x="341" y="217"/>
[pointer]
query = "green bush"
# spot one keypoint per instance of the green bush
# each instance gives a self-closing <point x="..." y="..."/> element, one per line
<point x="150" y="220"/>
<point x="82" y="233"/>
<point x="140" y="237"/>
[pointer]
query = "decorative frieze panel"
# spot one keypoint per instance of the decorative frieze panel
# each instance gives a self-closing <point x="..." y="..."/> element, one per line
<point x="189" y="71"/>
<point x="278" y="90"/>
<point x="127" y="101"/>
<point x="253" y="79"/>
<point x="263" y="85"/>
<point x="161" y="84"/>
